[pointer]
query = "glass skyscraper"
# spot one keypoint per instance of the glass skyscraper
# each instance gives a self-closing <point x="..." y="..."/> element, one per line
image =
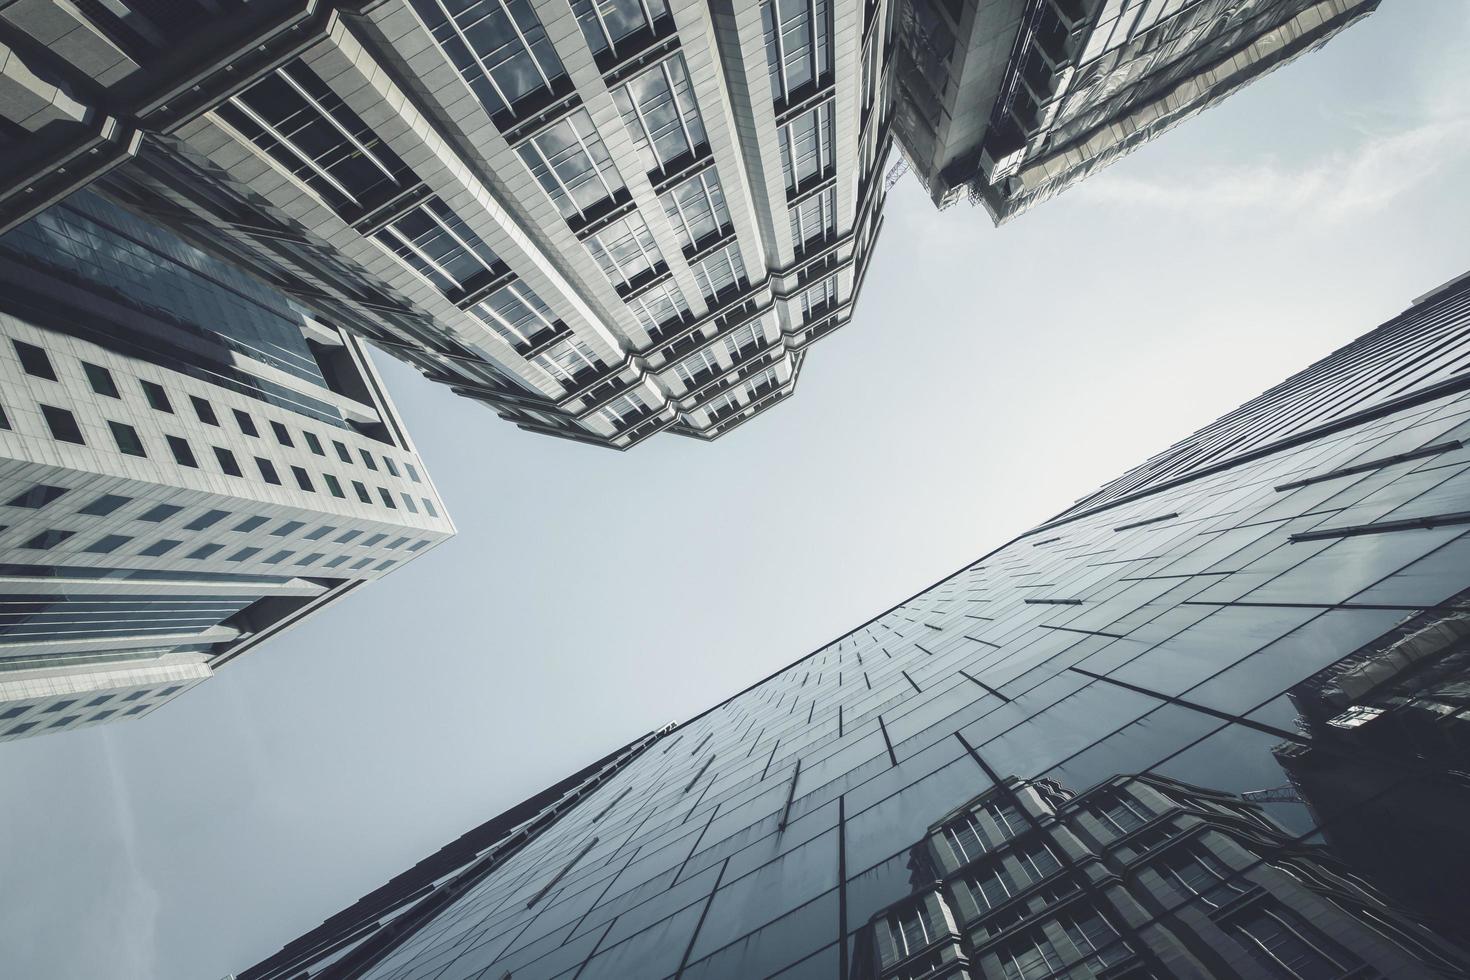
<point x="1209" y="722"/>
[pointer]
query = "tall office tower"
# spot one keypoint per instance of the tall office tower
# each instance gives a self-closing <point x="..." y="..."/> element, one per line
<point x="1209" y="722"/>
<point x="1009" y="102"/>
<point x="602" y="219"/>
<point x="188" y="466"/>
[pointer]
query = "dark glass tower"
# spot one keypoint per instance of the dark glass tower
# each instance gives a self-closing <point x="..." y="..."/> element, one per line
<point x="1209" y="722"/>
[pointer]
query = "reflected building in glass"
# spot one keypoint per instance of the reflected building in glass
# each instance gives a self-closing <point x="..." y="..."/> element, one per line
<point x="189" y="464"/>
<point x="1208" y="722"/>
<point x="602" y="219"/>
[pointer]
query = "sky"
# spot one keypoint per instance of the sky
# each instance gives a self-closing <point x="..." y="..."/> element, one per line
<point x="988" y="378"/>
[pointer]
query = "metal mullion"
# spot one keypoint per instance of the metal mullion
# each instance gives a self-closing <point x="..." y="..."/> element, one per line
<point x="780" y="49"/>
<point x="545" y="79"/>
<point x="652" y="258"/>
<point x="602" y="26"/>
<point x="444" y="225"/>
<point x="300" y="154"/>
<point x="683" y="219"/>
<point x="643" y="124"/>
<point x="678" y="106"/>
<point x="470" y="48"/>
<point x="428" y="260"/>
<point x="811" y="9"/>
<point x="336" y="124"/>
<point x="565" y="190"/>
<point x="572" y="124"/>
<point x="709" y="199"/>
<point x="491" y="312"/>
<point x="647" y="13"/>
<point x="611" y="257"/>
<point x="516" y="292"/>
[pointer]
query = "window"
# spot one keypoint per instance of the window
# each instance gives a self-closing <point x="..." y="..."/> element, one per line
<point x="498" y="46"/>
<point x="103" y="715"/>
<point x="570" y="162"/>
<point x="334" y="486"/>
<point x="743" y="342"/>
<point x="4" y="419"/>
<point x="819" y="298"/>
<point x="100" y="699"/>
<point x="720" y="271"/>
<point x="696" y="208"/>
<point x="126" y="438"/>
<point x="320" y="533"/>
<point x="183" y="455"/>
<point x="1285" y="946"/>
<point x="15" y="712"/>
<point x="136" y="710"/>
<point x="59" y="706"/>
<point x="170" y="690"/>
<point x="387" y="498"/>
<point x="418" y="544"/>
<point x="63" y="722"/>
<point x="244" y="553"/>
<point x="658" y="305"/>
<point x="516" y="314"/>
<point x="312" y="558"/>
<point x="364" y="563"/>
<point x="1096" y="940"/>
<point x="279" y="557"/>
<point x="36" y="497"/>
<point x="1037" y="862"/>
<point x="606" y="22"/>
<point x="367" y="459"/>
<point x="157" y="397"/>
<point x="362" y="493"/>
<point x="413" y="473"/>
<point x="24" y="726"/>
<point x="621" y="409"/>
<point x="625" y="250"/>
<point x="282" y="434"/>
<point x="161" y="547"/>
<point x="107" y="545"/>
<point x="246" y="423"/>
<point x="47" y="539"/>
<point x="34" y="360"/>
<point x="910" y="929"/>
<point x="306" y="128"/>
<point x="814" y="219"/>
<point x="566" y="359"/>
<point x="806" y="147"/>
<point x="267" y="471"/>
<point x="413" y="508"/>
<point x="336" y="561"/>
<point x="204" y="410"/>
<point x="797" y="44"/>
<point x="384" y="566"/>
<point x="104" y="505"/>
<point x="1198" y="874"/>
<point x="697" y="368"/>
<point x="397" y="543"/>
<point x="371" y="540"/>
<point x="435" y="243"/>
<point x="302" y="479"/>
<point x="661" y="115"/>
<point x="161" y="512"/>
<point x="290" y="527"/>
<point x="248" y="524"/>
<point x="204" y="551"/>
<point x="392" y="469"/>
<point x="208" y="519"/>
<point x="227" y="462"/>
<point x="1120" y="812"/>
<point x="348" y="536"/>
<point x="342" y="452"/>
<point x="429" y="506"/>
<point x="63" y="425"/>
<point x="100" y="379"/>
<point x="313" y="443"/>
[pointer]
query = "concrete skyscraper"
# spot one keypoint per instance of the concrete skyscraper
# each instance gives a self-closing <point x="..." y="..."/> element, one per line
<point x="189" y="464"/>
<point x="1208" y="722"/>
<point x="603" y="219"/>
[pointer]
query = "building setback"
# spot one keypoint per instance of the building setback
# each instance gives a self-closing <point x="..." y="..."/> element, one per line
<point x="607" y="218"/>
<point x="189" y="465"/>
<point x="1208" y="722"/>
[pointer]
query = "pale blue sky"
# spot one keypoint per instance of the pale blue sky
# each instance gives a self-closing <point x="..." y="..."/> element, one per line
<point x="988" y="378"/>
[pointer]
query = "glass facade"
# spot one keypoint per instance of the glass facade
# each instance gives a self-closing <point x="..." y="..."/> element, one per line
<point x="1212" y="727"/>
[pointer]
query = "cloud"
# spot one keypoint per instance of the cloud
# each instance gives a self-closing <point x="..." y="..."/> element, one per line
<point x="1341" y="185"/>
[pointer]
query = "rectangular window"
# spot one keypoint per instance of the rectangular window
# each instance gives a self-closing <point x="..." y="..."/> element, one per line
<point x="413" y="473"/>
<point x="604" y="23"/>
<point x="100" y="379"/>
<point x="798" y="49"/>
<point x="342" y="452"/>
<point x="696" y="208"/>
<point x="302" y="479"/>
<point x="315" y="556"/>
<point x="63" y="425"/>
<point x="413" y="508"/>
<point x="162" y="547"/>
<point x="660" y="113"/>
<point x="107" y="545"/>
<point x="204" y="551"/>
<point x="570" y="162"/>
<point x="744" y="342"/>
<point x="387" y="498"/>
<point x="305" y="127"/>
<point x="362" y="493"/>
<point x="47" y="539"/>
<point x="348" y="536"/>
<point x="516" y="314"/>
<point x="279" y="557"/>
<point x="1120" y="812"/>
<point x="434" y="242"/>
<point x="244" y="554"/>
<point x="392" y="467"/>
<point x="159" y="513"/>
<point x="267" y="470"/>
<point x="498" y="46"/>
<point x="208" y="519"/>
<point x="204" y="410"/>
<point x="290" y="527"/>
<point x="36" y="497"/>
<point x="283" y="435"/>
<point x="625" y="250"/>
<point x="720" y="272"/>
<point x="333" y="486"/>
<point x="367" y="459"/>
<point x="620" y="410"/>
<point x="806" y="148"/>
<point x="248" y="524"/>
<point x="815" y="219"/>
<point x="104" y="505"/>
<point x="313" y="443"/>
<point x="227" y="462"/>
<point x="429" y="506"/>
<point x="126" y="438"/>
<point x="34" y="360"/>
<point x="658" y="306"/>
<point x="157" y="397"/>
<point x="246" y="423"/>
<point x="183" y="455"/>
<point x="371" y="540"/>
<point x="819" y="298"/>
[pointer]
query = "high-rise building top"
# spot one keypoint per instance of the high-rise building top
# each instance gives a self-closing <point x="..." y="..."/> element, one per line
<point x="603" y="220"/>
<point x="188" y="465"/>
<point x="1211" y="728"/>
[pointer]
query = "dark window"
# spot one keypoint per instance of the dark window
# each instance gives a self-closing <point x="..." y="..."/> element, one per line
<point x="34" y="360"/>
<point x="162" y="512"/>
<point x="314" y="444"/>
<point x="391" y="468"/>
<point x="362" y="493"/>
<point x="362" y="564"/>
<point x="60" y="722"/>
<point x="60" y="706"/>
<point x="103" y="715"/>
<point x="367" y="459"/>
<point x="208" y="519"/>
<point x="249" y="524"/>
<point x="279" y="557"/>
<point x="227" y="462"/>
<point x="99" y="699"/>
<point x="170" y="690"/>
<point x="157" y="397"/>
<point x="204" y="410"/>
<point x="397" y="543"/>
<point x="48" y="539"/>
<point x="417" y="545"/>
<point x="204" y="551"/>
<point x="429" y="506"/>
<point x="371" y="540"/>
<point x="244" y="553"/>
<point x="100" y="379"/>
<point x="290" y="527"/>
<point x="1286" y="946"/>
<point x="282" y="435"/>
<point x="348" y="536"/>
<point x="413" y="508"/>
<point x="386" y="565"/>
<point x="413" y="473"/>
<point x="183" y="455"/>
<point x="126" y="438"/>
<point x="387" y="499"/>
<point x="157" y="548"/>
<point x="267" y="470"/>
<point x="246" y="423"/>
<point x="336" y="561"/>
<point x="104" y="505"/>
<point x="135" y="695"/>
<point x="63" y="425"/>
<point x="314" y="556"/>
<point x="302" y="479"/>
<point x="24" y="726"/>
<point x="320" y="533"/>
<point x="135" y="710"/>
<point x="342" y="452"/>
<point x="107" y="545"/>
<point x="4" y="419"/>
<point x="37" y="496"/>
<point x="333" y="485"/>
<point x="15" y="712"/>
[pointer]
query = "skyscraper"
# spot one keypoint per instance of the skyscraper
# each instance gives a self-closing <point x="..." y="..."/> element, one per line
<point x="606" y="219"/>
<point x="1161" y="734"/>
<point x="189" y="464"/>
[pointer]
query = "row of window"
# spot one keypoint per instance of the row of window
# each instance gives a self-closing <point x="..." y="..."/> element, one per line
<point x="57" y="707"/>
